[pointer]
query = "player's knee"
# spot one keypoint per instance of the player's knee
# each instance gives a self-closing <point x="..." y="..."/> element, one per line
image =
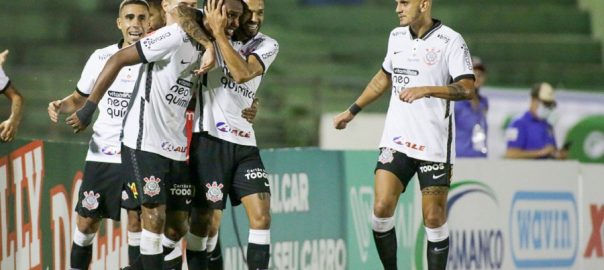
<point x="260" y="221"/>
<point x="383" y="208"/>
<point x="154" y="220"/>
<point x="434" y="219"/>
<point x="175" y="232"/>
<point x="134" y="223"/>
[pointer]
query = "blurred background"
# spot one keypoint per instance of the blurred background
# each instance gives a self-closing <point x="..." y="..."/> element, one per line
<point x="329" y="50"/>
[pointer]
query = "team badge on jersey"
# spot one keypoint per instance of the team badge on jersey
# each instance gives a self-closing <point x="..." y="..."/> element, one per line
<point x="151" y="187"/>
<point x="386" y="156"/>
<point x="214" y="193"/>
<point x="124" y="195"/>
<point x="431" y="56"/>
<point x="90" y="200"/>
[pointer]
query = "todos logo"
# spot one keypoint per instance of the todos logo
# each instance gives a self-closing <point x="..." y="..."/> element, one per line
<point x="476" y="238"/>
<point x="544" y="229"/>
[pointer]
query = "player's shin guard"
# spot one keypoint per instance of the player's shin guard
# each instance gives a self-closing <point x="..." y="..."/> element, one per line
<point x="152" y="256"/>
<point x="197" y="257"/>
<point x="134" y="246"/>
<point x="81" y="250"/>
<point x="384" y="236"/>
<point x="172" y="254"/>
<point x="214" y="253"/>
<point x="258" y="249"/>
<point x="438" y="247"/>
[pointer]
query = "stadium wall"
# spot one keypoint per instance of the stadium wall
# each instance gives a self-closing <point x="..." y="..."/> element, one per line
<point x="502" y="214"/>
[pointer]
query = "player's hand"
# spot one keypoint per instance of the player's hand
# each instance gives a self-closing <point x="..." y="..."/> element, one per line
<point x="413" y="93"/>
<point x="8" y="129"/>
<point x="54" y="107"/>
<point x="342" y="119"/>
<point x="250" y="113"/>
<point x="547" y="151"/>
<point x="74" y="122"/>
<point x="3" y="56"/>
<point x="208" y="60"/>
<point x="217" y="16"/>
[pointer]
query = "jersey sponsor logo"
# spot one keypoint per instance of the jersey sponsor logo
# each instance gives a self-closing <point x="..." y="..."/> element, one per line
<point x="252" y="46"/>
<point x="255" y="174"/>
<point x="214" y="193"/>
<point x="432" y="167"/>
<point x="181" y="190"/>
<point x="184" y="82"/>
<point x="241" y="89"/>
<point x="105" y="56"/>
<point x="404" y="71"/>
<point x="148" y="42"/>
<point x="170" y="147"/>
<point x="399" y="140"/>
<point x="117" y="94"/>
<point x="399" y="33"/>
<point x="132" y="187"/>
<point x="432" y="56"/>
<point x="446" y="39"/>
<point x="111" y="150"/>
<point x="466" y="56"/>
<point x="117" y="104"/>
<point x="151" y="187"/>
<point x="90" y="200"/>
<point x="386" y="156"/>
<point x="271" y="53"/>
<point x="224" y="127"/>
<point x="180" y="93"/>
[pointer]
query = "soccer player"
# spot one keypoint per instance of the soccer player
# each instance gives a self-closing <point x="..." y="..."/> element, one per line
<point x="154" y="142"/>
<point x="427" y="65"/>
<point x="8" y="128"/>
<point x="103" y="177"/>
<point x="223" y="135"/>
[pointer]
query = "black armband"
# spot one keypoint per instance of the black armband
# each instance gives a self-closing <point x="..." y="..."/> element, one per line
<point x="354" y="109"/>
<point x="86" y="112"/>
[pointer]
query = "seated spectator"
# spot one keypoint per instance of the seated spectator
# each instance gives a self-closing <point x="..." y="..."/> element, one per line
<point x="471" y="118"/>
<point x="8" y="128"/>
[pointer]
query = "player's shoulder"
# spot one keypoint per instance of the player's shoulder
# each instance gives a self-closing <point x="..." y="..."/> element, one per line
<point x="446" y="33"/>
<point x="103" y="54"/>
<point x="265" y="39"/>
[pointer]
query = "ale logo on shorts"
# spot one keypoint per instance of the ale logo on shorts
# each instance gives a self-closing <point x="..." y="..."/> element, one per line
<point x="214" y="193"/>
<point x="386" y="156"/>
<point x="90" y="200"/>
<point x="151" y="187"/>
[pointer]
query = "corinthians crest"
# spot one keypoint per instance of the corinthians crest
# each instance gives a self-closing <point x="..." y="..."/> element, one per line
<point x="90" y="200"/>
<point x="386" y="156"/>
<point x="214" y="193"/>
<point x="151" y="187"/>
<point x="431" y="56"/>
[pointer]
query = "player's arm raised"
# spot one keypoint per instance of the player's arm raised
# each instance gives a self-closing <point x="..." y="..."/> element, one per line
<point x="241" y="70"/>
<point x="125" y="57"/>
<point x="190" y="20"/>
<point x="376" y="88"/>
<point x="462" y="89"/>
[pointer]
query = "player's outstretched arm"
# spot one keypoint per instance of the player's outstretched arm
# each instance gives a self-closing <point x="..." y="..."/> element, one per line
<point x="375" y="89"/>
<point x="68" y="104"/>
<point x="241" y="70"/>
<point x="124" y="57"/>
<point x="8" y="128"/>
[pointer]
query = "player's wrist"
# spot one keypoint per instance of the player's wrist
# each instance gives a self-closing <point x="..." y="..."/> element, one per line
<point x="354" y="109"/>
<point x="86" y="112"/>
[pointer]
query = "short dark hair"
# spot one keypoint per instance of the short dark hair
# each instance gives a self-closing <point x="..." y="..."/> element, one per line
<point x="133" y="2"/>
<point x="154" y="3"/>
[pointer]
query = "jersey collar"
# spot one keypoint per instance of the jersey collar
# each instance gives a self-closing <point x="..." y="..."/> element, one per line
<point x="435" y="25"/>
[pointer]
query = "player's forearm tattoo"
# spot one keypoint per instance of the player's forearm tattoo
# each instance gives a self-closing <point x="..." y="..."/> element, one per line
<point x="186" y="19"/>
<point x="264" y="195"/>
<point x="435" y="191"/>
<point x="457" y="92"/>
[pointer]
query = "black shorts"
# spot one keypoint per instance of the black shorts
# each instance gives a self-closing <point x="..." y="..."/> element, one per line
<point x="404" y="167"/>
<point x="100" y="191"/>
<point x="220" y="168"/>
<point x="155" y="179"/>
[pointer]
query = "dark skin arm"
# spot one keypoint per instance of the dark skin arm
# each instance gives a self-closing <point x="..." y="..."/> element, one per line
<point x="125" y="57"/>
<point x="186" y="17"/>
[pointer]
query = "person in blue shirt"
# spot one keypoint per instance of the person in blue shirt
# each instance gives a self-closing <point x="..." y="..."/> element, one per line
<point x="471" y="118"/>
<point x="531" y="136"/>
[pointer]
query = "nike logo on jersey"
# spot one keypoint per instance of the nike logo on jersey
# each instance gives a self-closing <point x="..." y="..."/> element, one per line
<point x="437" y="176"/>
<point x="398" y="52"/>
<point x="188" y="201"/>
<point x="184" y="63"/>
<point x="266" y="184"/>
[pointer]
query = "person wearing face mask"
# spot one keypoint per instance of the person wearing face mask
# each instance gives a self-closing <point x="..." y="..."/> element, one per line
<point x="531" y="136"/>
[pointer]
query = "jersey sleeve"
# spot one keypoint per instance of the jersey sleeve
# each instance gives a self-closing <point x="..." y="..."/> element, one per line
<point x="516" y="135"/>
<point x="267" y="53"/>
<point x="459" y="60"/>
<point x="90" y="73"/>
<point x="4" y="80"/>
<point x="161" y="44"/>
<point x="387" y="64"/>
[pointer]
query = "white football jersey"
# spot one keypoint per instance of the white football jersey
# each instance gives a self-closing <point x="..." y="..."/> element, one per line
<point x="105" y="143"/>
<point x="4" y="80"/>
<point x="223" y="99"/>
<point x="155" y="121"/>
<point x="425" y="128"/>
